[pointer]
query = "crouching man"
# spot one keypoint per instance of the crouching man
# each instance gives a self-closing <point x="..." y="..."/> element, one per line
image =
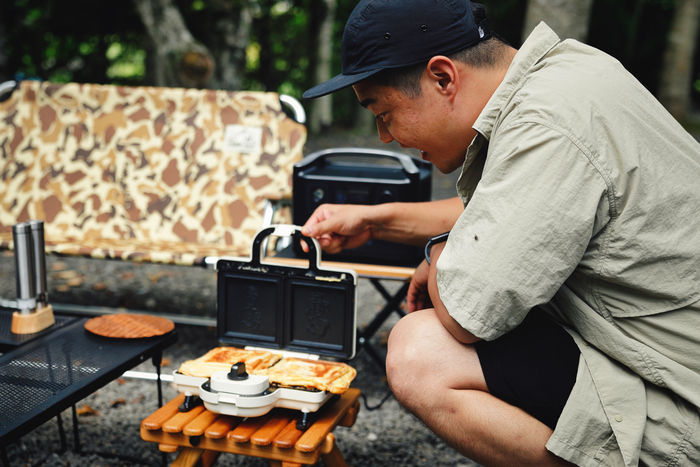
<point x="559" y="322"/>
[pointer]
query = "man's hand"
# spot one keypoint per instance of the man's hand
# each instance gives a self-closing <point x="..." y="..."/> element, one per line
<point x="417" y="297"/>
<point x="338" y="226"/>
<point x="341" y="226"/>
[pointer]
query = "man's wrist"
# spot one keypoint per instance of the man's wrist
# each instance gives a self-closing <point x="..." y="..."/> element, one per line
<point x="432" y="241"/>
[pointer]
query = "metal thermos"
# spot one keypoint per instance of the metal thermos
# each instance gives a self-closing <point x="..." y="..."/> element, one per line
<point x="24" y="268"/>
<point x="37" y="228"/>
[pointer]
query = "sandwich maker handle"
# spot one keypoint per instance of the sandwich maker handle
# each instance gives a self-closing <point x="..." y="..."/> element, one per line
<point x="285" y="230"/>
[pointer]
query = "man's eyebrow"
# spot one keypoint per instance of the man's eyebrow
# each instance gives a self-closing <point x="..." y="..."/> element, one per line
<point x="367" y="102"/>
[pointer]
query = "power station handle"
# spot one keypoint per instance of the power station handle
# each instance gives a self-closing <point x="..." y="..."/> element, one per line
<point x="407" y="162"/>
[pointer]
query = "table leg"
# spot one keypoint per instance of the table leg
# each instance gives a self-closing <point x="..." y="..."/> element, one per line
<point x="76" y="432"/>
<point x="331" y="455"/>
<point x="191" y="457"/>
<point x="334" y="458"/>
<point x="157" y="359"/>
<point x="392" y="305"/>
<point x="61" y="434"/>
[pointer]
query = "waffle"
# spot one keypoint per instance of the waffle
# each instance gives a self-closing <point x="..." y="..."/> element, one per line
<point x="221" y="358"/>
<point x="334" y="377"/>
<point x="122" y="325"/>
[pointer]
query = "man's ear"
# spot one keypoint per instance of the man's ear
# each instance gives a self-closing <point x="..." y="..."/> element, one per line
<point x="443" y="73"/>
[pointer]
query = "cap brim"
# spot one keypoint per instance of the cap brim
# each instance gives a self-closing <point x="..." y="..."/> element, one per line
<point x="336" y="84"/>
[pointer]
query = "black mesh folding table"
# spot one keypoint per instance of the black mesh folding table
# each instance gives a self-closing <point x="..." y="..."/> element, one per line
<point x="9" y="340"/>
<point x="42" y="378"/>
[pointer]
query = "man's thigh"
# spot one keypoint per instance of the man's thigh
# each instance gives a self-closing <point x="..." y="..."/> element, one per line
<point x="532" y="367"/>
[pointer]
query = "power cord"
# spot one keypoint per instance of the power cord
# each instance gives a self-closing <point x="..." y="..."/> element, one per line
<point x="386" y="398"/>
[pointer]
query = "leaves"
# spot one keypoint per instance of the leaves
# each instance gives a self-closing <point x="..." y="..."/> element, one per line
<point x="86" y="410"/>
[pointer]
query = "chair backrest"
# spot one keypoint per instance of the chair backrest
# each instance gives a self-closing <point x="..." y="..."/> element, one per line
<point x="156" y="174"/>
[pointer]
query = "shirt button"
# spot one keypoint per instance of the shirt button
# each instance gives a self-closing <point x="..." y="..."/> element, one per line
<point x="465" y="193"/>
<point x="618" y="417"/>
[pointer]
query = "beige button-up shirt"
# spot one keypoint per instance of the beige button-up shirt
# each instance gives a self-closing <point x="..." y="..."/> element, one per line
<point x="582" y="194"/>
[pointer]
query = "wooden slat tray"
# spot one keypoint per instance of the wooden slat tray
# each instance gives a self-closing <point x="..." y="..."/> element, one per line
<point x="273" y="436"/>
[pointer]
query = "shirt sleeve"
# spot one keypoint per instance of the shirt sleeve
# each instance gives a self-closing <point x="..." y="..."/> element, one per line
<point x="523" y="232"/>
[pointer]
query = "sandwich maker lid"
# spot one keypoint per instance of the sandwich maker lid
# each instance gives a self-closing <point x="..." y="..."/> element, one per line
<point x="311" y="310"/>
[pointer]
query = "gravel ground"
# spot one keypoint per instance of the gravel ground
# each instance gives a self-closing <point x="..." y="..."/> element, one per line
<point x="109" y="419"/>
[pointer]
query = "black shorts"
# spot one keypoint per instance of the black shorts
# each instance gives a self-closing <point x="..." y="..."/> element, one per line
<point x="532" y="367"/>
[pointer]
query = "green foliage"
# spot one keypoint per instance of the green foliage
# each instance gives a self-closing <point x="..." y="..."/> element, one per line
<point x="68" y="41"/>
<point x="280" y="40"/>
<point x="88" y="41"/>
<point x="128" y="61"/>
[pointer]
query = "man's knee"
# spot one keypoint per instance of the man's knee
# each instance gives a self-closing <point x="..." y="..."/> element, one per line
<point x="421" y="350"/>
<point x="406" y="359"/>
<point x="423" y="357"/>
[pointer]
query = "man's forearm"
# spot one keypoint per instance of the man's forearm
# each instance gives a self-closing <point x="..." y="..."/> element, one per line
<point x="414" y="223"/>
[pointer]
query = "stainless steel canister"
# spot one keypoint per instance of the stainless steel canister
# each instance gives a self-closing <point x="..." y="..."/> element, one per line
<point x="24" y="268"/>
<point x="37" y="228"/>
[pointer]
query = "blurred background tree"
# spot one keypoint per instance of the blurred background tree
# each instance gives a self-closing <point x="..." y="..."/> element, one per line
<point x="568" y="18"/>
<point x="675" y="88"/>
<point x="289" y="45"/>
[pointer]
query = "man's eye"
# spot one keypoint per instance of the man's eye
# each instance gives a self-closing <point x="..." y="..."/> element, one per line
<point x="380" y="118"/>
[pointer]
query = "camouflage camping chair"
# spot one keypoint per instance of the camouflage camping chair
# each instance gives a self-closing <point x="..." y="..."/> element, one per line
<point x="145" y="174"/>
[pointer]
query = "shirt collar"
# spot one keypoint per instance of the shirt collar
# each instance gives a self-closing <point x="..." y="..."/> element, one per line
<point x="536" y="46"/>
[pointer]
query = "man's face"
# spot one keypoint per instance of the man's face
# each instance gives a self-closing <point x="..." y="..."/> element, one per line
<point x="422" y="122"/>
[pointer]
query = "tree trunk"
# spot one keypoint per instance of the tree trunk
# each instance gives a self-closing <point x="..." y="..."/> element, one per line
<point x="568" y="18"/>
<point x="231" y="30"/>
<point x="322" y="108"/>
<point x="677" y="71"/>
<point x="179" y="60"/>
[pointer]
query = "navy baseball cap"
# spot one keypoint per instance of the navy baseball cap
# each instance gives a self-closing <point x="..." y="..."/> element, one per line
<point x="383" y="34"/>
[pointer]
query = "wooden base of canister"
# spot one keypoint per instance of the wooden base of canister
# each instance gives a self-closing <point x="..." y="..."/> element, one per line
<point x="36" y="321"/>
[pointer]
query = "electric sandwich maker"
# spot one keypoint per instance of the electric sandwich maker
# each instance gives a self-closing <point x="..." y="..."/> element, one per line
<point x="295" y="311"/>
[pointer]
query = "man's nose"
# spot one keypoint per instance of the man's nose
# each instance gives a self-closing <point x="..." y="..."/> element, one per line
<point x="384" y="134"/>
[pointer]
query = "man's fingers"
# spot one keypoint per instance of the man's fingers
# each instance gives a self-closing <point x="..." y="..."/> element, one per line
<point x="336" y="228"/>
<point x="319" y="222"/>
<point x="327" y="243"/>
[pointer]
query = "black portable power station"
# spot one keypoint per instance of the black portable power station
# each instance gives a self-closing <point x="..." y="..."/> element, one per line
<point x="361" y="176"/>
